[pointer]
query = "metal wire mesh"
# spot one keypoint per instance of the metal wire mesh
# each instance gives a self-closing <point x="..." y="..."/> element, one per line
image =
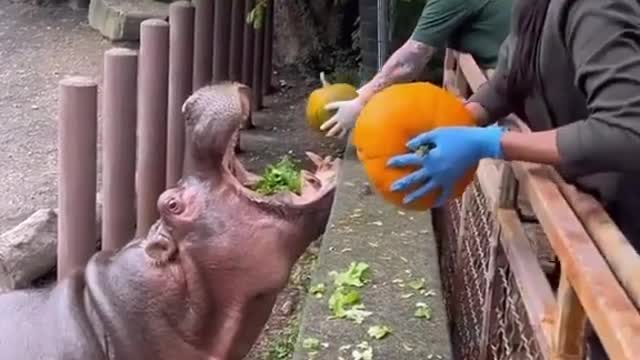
<point x="464" y="231"/>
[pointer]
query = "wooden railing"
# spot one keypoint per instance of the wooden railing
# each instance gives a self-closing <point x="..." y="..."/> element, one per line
<point x="598" y="282"/>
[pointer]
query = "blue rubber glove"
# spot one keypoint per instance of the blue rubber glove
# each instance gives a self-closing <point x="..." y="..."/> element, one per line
<point x="453" y="150"/>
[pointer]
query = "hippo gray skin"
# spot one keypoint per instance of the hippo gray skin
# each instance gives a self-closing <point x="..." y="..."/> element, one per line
<point x="203" y="282"/>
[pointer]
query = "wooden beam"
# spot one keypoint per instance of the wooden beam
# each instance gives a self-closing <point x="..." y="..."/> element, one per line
<point x="488" y="177"/>
<point x="613" y="315"/>
<point x="623" y="259"/>
<point x="568" y="335"/>
<point x="472" y="72"/>
<point x="617" y="250"/>
<point x="537" y="295"/>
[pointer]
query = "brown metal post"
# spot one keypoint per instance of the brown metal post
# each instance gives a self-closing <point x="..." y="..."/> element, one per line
<point x="238" y="19"/>
<point x="77" y="140"/>
<point x="221" y="38"/>
<point x="119" y="108"/>
<point x="247" y="47"/>
<point x="153" y="75"/>
<point x="203" y="43"/>
<point x="181" y="18"/>
<point x="267" y="70"/>
<point x="256" y="83"/>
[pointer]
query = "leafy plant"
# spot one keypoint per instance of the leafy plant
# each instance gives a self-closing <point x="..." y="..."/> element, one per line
<point x="256" y="16"/>
<point x="283" y="347"/>
<point x="282" y="176"/>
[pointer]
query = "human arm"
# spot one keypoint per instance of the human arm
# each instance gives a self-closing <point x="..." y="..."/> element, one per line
<point x="459" y="148"/>
<point x="602" y="37"/>
<point x="438" y="21"/>
<point x="492" y="102"/>
<point x="404" y="65"/>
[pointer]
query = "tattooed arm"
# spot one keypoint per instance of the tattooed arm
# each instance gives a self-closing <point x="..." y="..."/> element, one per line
<point x="403" y="66"/>
<point x="438" y="21"/>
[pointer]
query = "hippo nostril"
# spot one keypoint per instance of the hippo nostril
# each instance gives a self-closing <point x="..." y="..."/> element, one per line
<point x="173" y="206"/>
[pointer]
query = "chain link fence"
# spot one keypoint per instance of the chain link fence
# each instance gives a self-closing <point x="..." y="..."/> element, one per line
<point x="474" y="273"/>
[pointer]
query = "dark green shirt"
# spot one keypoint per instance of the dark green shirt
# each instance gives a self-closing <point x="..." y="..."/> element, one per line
<point x="477" y="27"/>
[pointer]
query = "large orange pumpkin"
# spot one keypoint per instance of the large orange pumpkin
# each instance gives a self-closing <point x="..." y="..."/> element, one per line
<point x="394" y="116"/>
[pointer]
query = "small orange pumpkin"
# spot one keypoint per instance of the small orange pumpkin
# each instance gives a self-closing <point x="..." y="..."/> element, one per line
<point x="394" y="116"/>
<point x="328" y="93"/>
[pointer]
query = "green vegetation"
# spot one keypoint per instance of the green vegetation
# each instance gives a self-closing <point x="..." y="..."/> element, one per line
<point x="282" y="176"/>
<point x="283" y="346"/>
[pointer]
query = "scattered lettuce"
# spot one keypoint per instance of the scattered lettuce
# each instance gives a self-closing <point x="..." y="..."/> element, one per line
<point x="423" y="311"/>
<point x="317" y="290"/>
<point x="379" y="331"/>
<point x="356" y="275"/>
<point x="281" y="176"/>
<point x="342" y="300"/>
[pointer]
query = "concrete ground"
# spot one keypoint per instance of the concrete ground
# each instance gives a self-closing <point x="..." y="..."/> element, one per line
<point x="400" y="249"/>
<point x="38" y="47"/>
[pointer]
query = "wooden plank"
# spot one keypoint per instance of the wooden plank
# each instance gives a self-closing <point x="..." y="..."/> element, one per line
<point x="568" y="335"/>
<point x="472" y="72"/>
<point x="623" y="259"/>
<point x="449" y="75"/>
<point x="488" y="177"/>
<point x="508" y="189"/>
<point x="613" y="315"/>
<point x="537" y="295"/>
<point x="617" y="250"/>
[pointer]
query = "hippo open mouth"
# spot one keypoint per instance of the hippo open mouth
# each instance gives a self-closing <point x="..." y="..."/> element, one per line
<point x="214" y="116"/>
<point x="203" y="282"/>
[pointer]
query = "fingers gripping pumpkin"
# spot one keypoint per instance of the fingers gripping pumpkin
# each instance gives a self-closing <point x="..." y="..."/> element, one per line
<point x="393" y="117"/>
<point x="328" y="93"/>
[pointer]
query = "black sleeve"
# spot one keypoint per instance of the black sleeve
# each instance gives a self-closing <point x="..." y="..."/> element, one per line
<point x="603" y="37"/>
<point x="493" y="95"/>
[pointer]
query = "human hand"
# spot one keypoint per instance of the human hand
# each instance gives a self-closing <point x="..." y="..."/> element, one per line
<point x="345" y="117"/>
<point x="452" y="151"/>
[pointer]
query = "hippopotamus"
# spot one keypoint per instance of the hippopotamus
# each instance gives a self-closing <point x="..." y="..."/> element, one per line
<point x="203" y="282"/>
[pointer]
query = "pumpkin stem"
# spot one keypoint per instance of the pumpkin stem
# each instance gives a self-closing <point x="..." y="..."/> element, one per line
<point x="323" y="79"/>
